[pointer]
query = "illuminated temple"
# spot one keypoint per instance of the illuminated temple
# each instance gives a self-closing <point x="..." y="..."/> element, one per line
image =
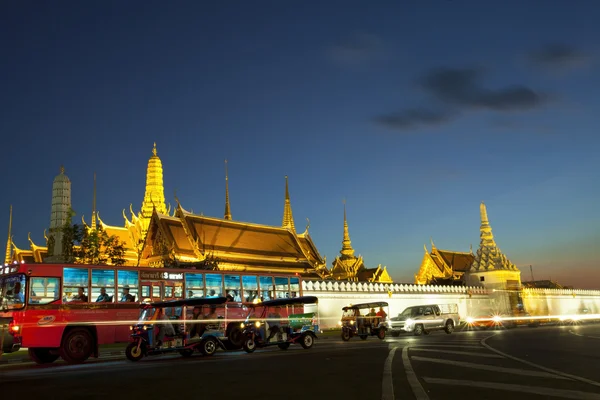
<point x="487" y="267"/>
<point x="156" y="233"/>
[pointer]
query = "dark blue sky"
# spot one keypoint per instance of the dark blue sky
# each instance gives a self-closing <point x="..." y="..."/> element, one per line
<point x="413" y="111"/>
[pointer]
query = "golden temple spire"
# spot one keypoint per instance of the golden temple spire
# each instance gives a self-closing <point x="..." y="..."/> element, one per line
<point x="487" y="238"/>
<point x="155" y="191"/>
<point x="288" y="218"/>
<point x="227" y="206"/>
<point x="8" y="256"/>
<point x="347" y="250"/>
<point x="94" y="205"/>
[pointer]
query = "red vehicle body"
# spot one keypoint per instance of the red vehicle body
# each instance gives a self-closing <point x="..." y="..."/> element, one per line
<point x="59" y="310"/>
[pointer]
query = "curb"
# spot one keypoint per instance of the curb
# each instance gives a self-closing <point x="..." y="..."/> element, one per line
<point x="26" y="359"/>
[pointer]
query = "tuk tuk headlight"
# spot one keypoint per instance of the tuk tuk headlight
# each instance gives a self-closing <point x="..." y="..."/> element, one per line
<point x="257" y="324"/>
<point x="242" y="325"/>
<point x="352" y="322"/>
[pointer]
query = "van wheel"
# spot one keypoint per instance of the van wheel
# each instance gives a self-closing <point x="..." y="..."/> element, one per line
<point x="42" y="355"/>
<point x="77" y="346"/>
<point x="449" y="327"/>
<point x="395" y="333"/>
<point x="418" y="330"/>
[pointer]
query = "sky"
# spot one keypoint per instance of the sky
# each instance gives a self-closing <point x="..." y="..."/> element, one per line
<point x="412" y="111"/>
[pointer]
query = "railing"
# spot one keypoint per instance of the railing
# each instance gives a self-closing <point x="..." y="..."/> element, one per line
<point x="370" y="287"/>
<point x="581" y="292"/>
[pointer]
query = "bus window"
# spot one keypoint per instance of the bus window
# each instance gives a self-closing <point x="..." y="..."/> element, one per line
<point x="194" y="285"/>
<point x="128" y="286"/>
<point x="178" y="290"/>
<point x="232" y="287"/>
<point x="281" y="287"/>
<point x="294" y="287"/>
<point x="156" y="291"/>
<point x="75" y="285"/>
<point x="145" y="291"/>
<point x="266" y="287"/>
<point x="44" y="290"/>
<point x="169" y="292"/>
<point x="250" y="287"/>
<point x="214" y="285"/>
<point x="103" y="285"/>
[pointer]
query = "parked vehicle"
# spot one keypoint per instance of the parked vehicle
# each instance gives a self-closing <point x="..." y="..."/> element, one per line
<point x="179" y="323"/>
<point x="281" y="322"/>
<point x="364" y="320"/>
<point x="426" y="318"/>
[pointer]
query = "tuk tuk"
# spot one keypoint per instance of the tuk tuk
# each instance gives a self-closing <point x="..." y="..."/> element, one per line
<point x="363" y="320"/>
<point x="179" y="326"/>
<point x="281" y="322"/>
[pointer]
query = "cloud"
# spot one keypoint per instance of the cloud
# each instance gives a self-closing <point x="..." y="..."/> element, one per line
<point x="558" y="57"/>
<point x="413" y="118"/>
<point x="360" y="48"/>
<point x="461" y="87"/>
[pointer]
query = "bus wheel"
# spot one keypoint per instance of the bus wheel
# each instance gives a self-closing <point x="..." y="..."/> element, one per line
<point x="76" y="346"/>
<point x="236" y="337"/>
<point x="133" y="353"/>
<point x="42" y="356"/>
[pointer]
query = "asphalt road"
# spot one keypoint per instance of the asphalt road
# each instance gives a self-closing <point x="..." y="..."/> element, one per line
<point x="523" y="363"/>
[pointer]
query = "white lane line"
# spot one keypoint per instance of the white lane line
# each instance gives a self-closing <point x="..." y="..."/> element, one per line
<point x="415" y="385"/>
<point x="552" y="371"/>
<point x="387" y="384"/>
<point x="464" y="346"/>
<point x="565" y="394"/>
<point x="585" y="336"/>
<point x="462" y="353"/>
<point x="484" y="367"/>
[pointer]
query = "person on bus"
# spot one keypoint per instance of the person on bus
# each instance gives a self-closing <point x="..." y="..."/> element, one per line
<point x="17" y="294"/>
<point x="126" y="297"/>
<point x="103" y="298"/>
<point x="80" y="296"/>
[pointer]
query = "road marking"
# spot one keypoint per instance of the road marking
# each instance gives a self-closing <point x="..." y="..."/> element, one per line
<point x="552" y="371"/>
<point x="465" y="346"/>
<point x="585" y="336"/>
<point x="465" y="353"/>
<point x="387" y="384"/>
<point x="566" y="394"/>
<point x="415" y="385"/>
<point x="484" y="367"/>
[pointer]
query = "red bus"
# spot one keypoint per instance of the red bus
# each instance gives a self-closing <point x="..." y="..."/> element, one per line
<point x="67" y="311"/>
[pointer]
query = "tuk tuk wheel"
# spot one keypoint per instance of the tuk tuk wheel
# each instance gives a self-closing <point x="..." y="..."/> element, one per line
<point x="186" y="352"/>
<point x="249" y="345"/>
<point x="363" y="337"/>
<point x="381" y="334"/>
<point x="208" y="346"/>
<point x="345" y="335"/>
<point x="307" y="340"/>
<point x="283" y="346"/>
<point x="133" y="353"/>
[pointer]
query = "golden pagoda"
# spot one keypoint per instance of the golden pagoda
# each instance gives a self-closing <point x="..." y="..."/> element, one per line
<point x="349" y="267"/>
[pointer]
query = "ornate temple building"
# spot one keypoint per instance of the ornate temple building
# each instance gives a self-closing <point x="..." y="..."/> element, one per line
<point x="488" y="267"/>
<point x="154" y="234"/>
<point x="349" y="267"/>
<point x="443" y="266"/>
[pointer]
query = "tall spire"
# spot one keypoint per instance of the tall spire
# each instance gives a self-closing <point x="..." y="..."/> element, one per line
<point x="8" y="256"/>
<point x="60" y="213"/>
<point x="347" y="250"/>
<point x="227" y="206"/>
<point x="488" y="256"/>
<point x="94" y="205"/>
<point x="288" y="218"/>
<point x="154" y="196"/>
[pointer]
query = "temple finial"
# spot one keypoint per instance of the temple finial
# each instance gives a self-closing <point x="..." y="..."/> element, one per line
<point x="8" y="256"/>
<point x="62" y="169"/>
<point x="483" y="212"/>
<point x="347" y="250"/>
<point x="432" y="244"/>
<point x="94" y="205"/>
<point x="227" y="205"/>
<point x="154" y="152"/>
<point x="288" y="218"/>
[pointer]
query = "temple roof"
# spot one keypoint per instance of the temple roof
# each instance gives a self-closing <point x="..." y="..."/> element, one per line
<point x="197" y="236"/>
<point x="488" y="256"/>
<point x="458" y="261"/>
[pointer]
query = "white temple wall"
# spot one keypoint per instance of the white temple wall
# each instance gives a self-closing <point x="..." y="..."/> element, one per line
<point x="333" y="295"/>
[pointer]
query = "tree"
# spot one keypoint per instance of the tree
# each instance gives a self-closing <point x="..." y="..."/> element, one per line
<point x="96" y="247"/>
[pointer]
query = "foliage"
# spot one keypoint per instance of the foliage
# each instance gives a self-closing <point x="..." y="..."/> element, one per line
<point x="82" y="245"/>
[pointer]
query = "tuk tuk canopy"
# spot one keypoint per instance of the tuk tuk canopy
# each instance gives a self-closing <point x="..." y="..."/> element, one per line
<point x="366" y="305"/>
<point x="193" y="302"/>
